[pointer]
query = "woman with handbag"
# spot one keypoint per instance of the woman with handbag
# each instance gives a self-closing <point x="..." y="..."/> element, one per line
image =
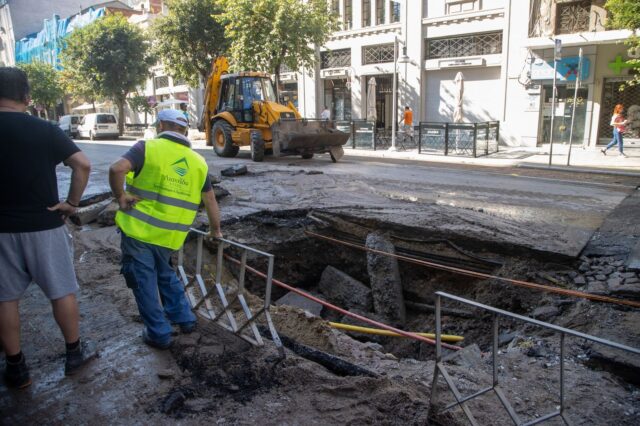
<point x="619" y="126"/>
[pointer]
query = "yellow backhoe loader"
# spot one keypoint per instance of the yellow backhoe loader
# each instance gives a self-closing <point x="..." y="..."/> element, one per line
<point x="240" y="109"/>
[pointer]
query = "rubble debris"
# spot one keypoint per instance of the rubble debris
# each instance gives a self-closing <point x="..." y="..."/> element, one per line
<point x="384" y="275"/>
<point x="88" y="200"/>
<point x="469" y="356"/>
<point x="173" y="402"/>
<point x="423" y="307"/>
<point x="107" y="217"/>
<point x="90" y="213"/>
<point x="214" y="179"/>
<point x="345" y="291"/>
<point x="294" y="299"/>
<point x="220" y="192"/>
<point x="545" y="313"/>
<point x="237" y="170"/>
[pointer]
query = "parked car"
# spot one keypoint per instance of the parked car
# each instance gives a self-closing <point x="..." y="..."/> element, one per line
<point x="69" y="124"/>
<point x="98" y="125"/>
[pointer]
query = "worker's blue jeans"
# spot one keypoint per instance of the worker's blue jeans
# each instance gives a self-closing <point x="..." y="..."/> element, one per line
<point x="147" y="270"/>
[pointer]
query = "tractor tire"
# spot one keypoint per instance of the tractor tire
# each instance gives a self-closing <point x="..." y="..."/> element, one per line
<point x="257" y="146"/>
<point x="222" y="142"/>
<point x="307" y="155"/>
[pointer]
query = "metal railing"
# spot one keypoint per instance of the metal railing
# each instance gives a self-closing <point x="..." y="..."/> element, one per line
<point x="461" y="400"/>
<point x="466" y="139"/>
<point x="208" y="298"/>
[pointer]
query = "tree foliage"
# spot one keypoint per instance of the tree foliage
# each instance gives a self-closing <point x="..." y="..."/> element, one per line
<point x="108" y="58"/>
<point x="139" y="103"/>
<point x="44" y="80"/>
<point x="267" y="34"/>
<point x="188" y="38"/>
<point x="625" y="15"/>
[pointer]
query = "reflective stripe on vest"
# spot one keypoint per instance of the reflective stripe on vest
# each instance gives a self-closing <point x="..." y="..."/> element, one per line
<point x="150" y="195"/>
<point x="170" y="187"/>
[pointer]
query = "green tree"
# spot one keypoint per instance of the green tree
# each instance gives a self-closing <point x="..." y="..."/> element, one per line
<point x="188" y="38"/>
<point x="625" y="15"/>
<point x="139" y="103"/>
<point x="267" y="34"/>
<point x="46" y="88"/>
<point x="109" y="58"/>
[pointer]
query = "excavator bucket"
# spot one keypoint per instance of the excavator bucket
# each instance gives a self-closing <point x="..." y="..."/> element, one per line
<point x="302" y="136"/>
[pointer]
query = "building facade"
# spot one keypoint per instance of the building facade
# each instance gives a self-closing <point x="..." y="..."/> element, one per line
<point x="504" y="50"/>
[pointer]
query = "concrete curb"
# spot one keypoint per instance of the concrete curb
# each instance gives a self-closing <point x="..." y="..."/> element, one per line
<point x="578" y="170"/>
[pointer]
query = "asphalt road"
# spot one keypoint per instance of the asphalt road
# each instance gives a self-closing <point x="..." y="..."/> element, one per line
<point x="556" y="212"/>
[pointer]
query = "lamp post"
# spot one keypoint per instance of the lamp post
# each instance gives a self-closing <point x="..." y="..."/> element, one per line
<point x="403" y="60"/>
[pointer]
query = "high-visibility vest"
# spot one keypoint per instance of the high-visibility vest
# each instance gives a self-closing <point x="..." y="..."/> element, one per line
<point x="170" y="187"/>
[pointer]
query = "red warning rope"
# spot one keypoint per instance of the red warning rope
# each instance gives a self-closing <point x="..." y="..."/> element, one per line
<point x="343" y="311"/>
<point x="525" y="284"/>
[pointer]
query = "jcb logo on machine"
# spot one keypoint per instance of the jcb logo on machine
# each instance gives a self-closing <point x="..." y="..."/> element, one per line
<point x="181" y="167"/>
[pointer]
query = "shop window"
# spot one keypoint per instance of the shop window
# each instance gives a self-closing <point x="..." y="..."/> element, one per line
<point x="377" y="54"/>
<point x="366" y="13"/>
<point x="335" y="58"/>
<point x="337" y="96"/>
<point x="395" y="11"/>
<point x="161" y="81"/>
<point x="611" y="96"/>
<point x="381" y="12"/>
<point x="472" y="45"/>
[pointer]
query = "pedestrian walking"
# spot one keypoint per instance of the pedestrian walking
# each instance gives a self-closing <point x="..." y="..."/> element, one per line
<point x="185" y="112"/>
<point x="325" y="114"/>
<point x="166" y="181"/>
<point x="619" y="125"/>
<point x="408" y="121"/>
<point x="34" y="242"/>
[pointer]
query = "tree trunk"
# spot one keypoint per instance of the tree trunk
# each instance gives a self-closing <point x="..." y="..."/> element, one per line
<point x="120" y="104"/>
<point x="277" y="83"/>
<point x="46" y="112"/>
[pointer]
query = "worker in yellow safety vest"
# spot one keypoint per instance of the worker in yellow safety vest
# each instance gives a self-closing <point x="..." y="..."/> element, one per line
<point x="165" y="182"/>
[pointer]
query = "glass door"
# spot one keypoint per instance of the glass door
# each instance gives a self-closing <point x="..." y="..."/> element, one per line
<point x="563" y="111"/>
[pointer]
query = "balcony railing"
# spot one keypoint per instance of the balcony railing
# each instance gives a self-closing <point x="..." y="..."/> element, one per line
<point x="555" y="17"/>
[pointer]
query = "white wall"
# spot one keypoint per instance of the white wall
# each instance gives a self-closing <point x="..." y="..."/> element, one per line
<point x="479" y="100"/>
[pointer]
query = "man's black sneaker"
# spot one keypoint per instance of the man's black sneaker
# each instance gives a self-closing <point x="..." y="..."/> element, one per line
<point x="86" y="352"/>
<point x="188" y="327"/>
<point x="17" y="375"/>
<point x="149" y="341"/>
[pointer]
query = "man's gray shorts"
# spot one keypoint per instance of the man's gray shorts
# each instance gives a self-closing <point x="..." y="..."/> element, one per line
<point x="44" y="257"/>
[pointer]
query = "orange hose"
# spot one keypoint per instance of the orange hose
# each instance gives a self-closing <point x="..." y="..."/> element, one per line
<point x="343" y="311"/>
<point x="466" y="272"/>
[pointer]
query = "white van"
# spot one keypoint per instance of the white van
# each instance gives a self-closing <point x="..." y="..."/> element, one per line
<point x="99" y="125"/>
<point x="69" y="124"/>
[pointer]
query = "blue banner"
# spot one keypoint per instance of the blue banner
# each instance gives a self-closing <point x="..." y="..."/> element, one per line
<point x="567" y="69"/>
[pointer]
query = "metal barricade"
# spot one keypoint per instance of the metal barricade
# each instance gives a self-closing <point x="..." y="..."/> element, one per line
<point x="461" y="400"/>
<point x="252" y="335"/>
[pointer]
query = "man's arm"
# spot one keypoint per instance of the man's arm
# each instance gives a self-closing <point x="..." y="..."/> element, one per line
<point x="117" y="174"/>
<point x="213" y="212"/>
<point x="80" y="169"/>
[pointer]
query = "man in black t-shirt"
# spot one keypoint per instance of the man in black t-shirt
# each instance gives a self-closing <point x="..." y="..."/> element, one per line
<point x="34" y="242"/>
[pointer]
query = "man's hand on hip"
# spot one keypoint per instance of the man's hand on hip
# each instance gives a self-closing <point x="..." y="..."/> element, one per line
<point x="127" y="201"/>
<point x="65" y="209"/>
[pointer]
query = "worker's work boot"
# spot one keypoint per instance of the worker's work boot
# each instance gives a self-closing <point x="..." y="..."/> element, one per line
<point x="17" y="375"/>
<point x="188" y="327"/>
<point x="77" y="358"/>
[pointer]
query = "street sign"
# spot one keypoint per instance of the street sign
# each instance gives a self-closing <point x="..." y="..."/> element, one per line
<point x="557" y="50"/>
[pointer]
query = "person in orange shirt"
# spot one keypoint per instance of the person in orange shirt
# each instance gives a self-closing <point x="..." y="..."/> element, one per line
<point x="408" y="121"/>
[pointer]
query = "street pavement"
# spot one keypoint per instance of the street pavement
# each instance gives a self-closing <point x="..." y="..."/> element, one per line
<point x="486" y="198"/>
